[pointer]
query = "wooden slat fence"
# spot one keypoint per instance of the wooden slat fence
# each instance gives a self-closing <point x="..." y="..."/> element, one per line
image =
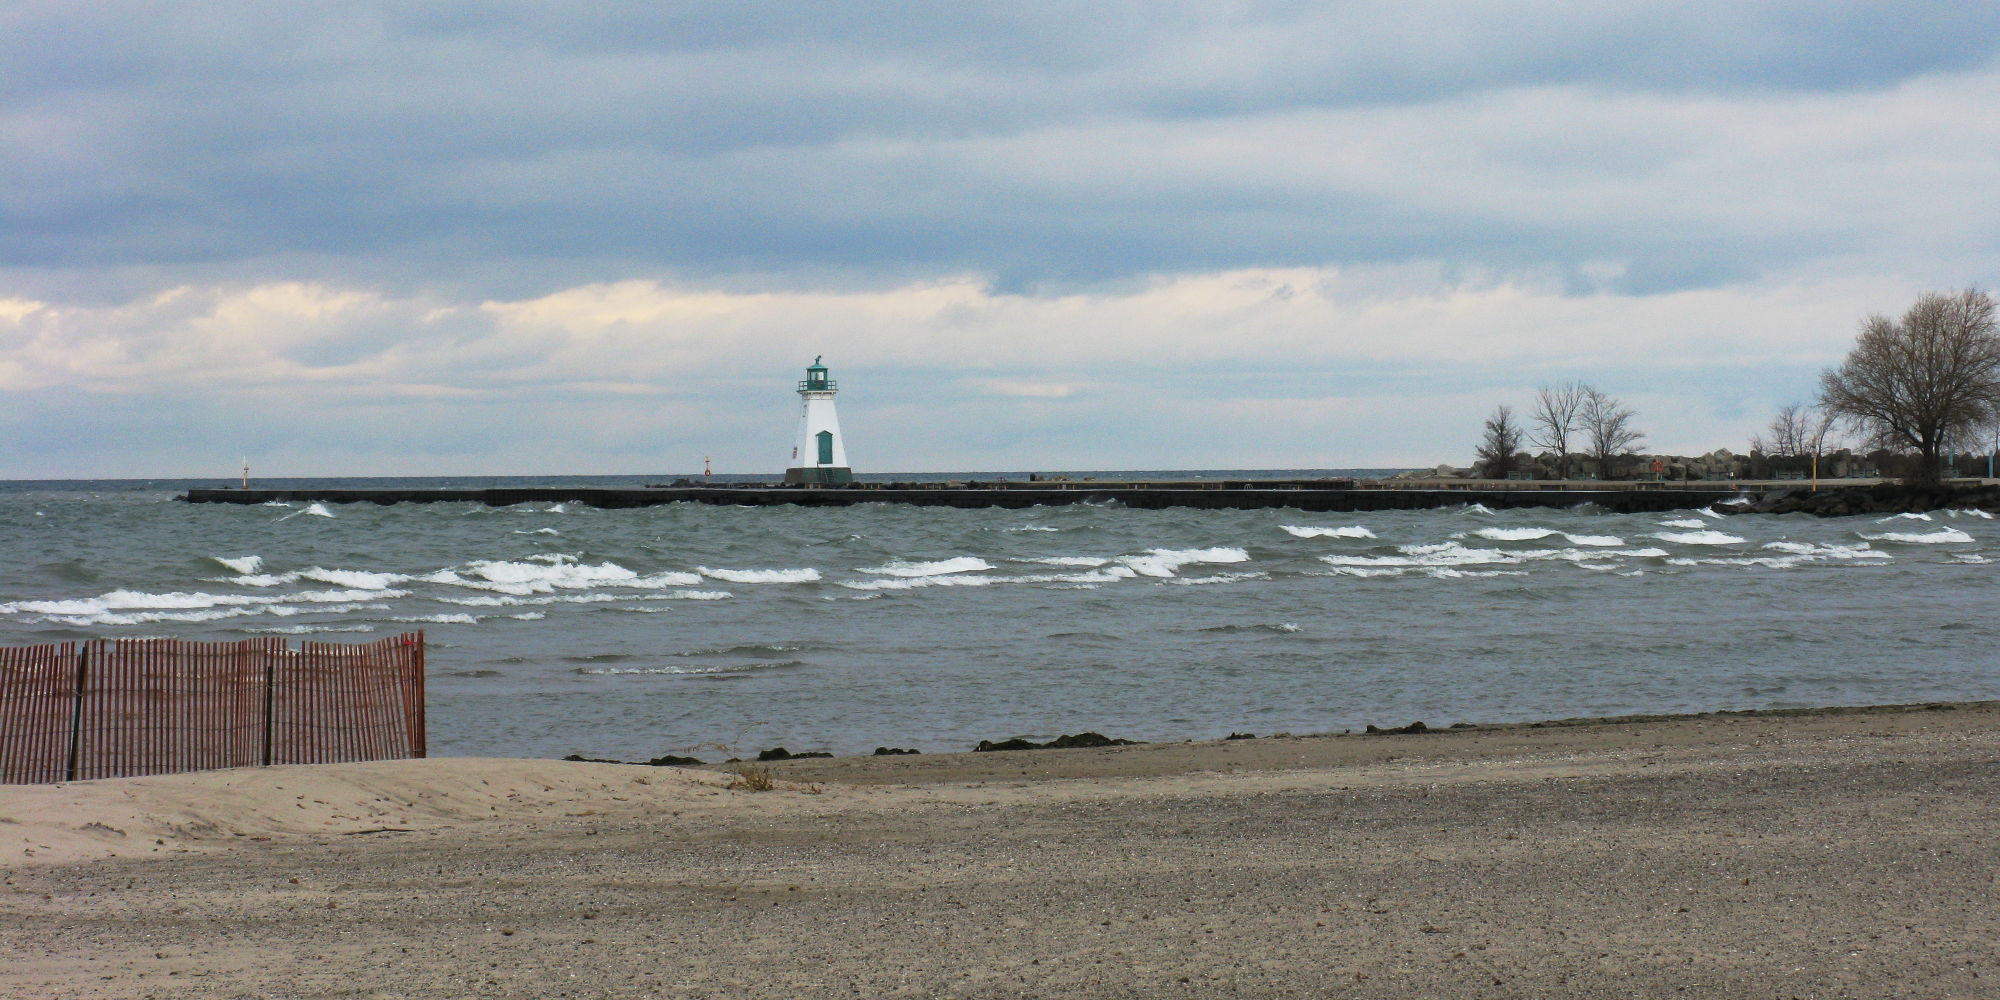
<point x="105" y="709"/>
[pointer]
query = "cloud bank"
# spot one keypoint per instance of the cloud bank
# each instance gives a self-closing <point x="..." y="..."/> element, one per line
<point x="502" y="239"/>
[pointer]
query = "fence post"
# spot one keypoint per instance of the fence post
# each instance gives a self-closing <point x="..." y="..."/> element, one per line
<point x="270" y="702"/>
<point x="423" y="721"/>
<point x="76" y="715"/>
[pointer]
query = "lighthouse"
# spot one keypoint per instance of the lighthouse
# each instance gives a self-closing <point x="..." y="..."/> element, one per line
<point x="819" y="456"/>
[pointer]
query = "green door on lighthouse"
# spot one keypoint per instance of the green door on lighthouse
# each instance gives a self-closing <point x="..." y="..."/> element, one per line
<point x="825" y="447"/>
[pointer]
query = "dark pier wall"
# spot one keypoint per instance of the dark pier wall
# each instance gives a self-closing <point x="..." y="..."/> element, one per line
<point x="1150" y="497"/>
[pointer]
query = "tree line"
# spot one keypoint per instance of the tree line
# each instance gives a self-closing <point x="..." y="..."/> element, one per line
<point x="1571" y="414"/>
<point x="1916" y="387"/>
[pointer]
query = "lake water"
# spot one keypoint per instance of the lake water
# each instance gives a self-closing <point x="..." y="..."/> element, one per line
<point x="557" y="629"/>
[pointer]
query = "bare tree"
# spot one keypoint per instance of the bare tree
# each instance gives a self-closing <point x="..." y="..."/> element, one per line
<point x="1820" y="424"/>
<point x="1789" y="431"/>
<point x="1922" y="380"/>
<point x="1499" y="451"/>
<point x="1556" y="414"/>
<point x="1607" y="424"/>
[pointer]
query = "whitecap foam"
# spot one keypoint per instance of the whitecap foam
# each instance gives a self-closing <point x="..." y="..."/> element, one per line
<point x="807" y="575"/>
<point x="1109" y="574"/>
<point x="1412" y="556"/>
<point x="90" y="619"/>
<point x="529" y="616"/>
<point x="1707" y="537"/>
<point x="306" y="629"/>
<point x="1594" y="540"/>
<point x="1350" y="531"/>
<point x="1454" y="554"/>
<point x="940" y="567"/>
<point x="1065" y="560"/>
<point x="1199" y="581"/>
<point x="1366" y="571"/>
<point x="242" y="565"/>
<point x="594" y="597"/>
<point x="539" y="576"/>
<point x="1766" y="562"/>
<point x="538" y="531"/>
<point x="459" y="619"/>
<point x="915" y="582"/>
<point x="354" y="578"/>
<point x="1904" y="516"/>
<point x="1515" y="534"/>
<point x="286" y="610"/>
<point x="1164" y="562"/>
<point x="149" y="617"/>
<point x="1973" y="512"/>
<point x="136" y="600"/>
<point x="1033" y="527"/>
<point x="1476" y="508"/>
<point x="340" y="596"/>
<point x="1827" y="552"/>
<point x="1534" y="534"/>
<point x="1684" y="522"/>
<point x="1942" y="536"/>
<point x="315" y="509"/>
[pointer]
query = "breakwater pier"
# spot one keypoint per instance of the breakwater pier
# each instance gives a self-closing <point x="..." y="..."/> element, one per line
<point x="1320" y="495"/>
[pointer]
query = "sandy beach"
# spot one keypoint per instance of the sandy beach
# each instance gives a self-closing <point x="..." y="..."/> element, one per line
<point x="1837" y="854"/>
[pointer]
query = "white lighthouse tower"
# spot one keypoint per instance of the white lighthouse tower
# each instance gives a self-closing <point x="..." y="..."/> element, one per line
<point x="819" y="456"/>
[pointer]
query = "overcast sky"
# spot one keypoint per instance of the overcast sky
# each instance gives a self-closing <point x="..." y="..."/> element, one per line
<point x="516" y="238"/>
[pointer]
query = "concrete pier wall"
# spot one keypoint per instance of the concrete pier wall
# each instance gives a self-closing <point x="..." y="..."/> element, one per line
<point x="1150" y="496"/>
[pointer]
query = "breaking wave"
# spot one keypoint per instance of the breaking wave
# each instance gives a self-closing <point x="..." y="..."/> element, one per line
<point x="941" y="567"/>
<point x="1533" y="534"/>
<point x="306" y="629"/>
<point x="807" y="575"/>
<point x="1942" y="536"/>
<point x="1163" y="562"/>
<point x="1351" y="531"/>
<point x="1708" y="537"/>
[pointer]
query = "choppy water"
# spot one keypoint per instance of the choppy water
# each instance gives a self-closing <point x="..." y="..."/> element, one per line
<point x="560" y="628"/>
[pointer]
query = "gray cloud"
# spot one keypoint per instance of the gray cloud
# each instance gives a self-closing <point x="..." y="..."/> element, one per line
<point x="371" y="237"/>
<point x="1033" y="142"/>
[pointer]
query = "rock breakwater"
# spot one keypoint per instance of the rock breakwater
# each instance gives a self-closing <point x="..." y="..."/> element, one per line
<point x="1888" y="498"/>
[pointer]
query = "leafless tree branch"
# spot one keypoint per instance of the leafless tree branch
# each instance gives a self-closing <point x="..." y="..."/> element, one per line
<point x="1922" y="380"/>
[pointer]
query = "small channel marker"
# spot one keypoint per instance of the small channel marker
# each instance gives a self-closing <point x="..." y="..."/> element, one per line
<point x="819" y="457"/>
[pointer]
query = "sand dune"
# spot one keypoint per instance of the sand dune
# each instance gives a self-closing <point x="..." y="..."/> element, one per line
<point x="123" y="817"/>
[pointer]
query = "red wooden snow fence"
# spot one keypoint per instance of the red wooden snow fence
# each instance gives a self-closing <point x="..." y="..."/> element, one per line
<point x="116" y="708"/>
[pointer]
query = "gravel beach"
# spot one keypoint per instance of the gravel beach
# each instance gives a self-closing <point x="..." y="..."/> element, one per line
<point x="1838" y="854"/>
